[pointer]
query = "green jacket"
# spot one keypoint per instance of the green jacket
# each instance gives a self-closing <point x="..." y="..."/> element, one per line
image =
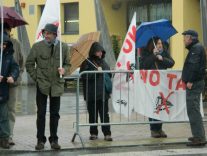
<point x="42" y="65"/>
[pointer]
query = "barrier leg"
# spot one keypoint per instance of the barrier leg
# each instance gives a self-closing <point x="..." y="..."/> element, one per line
<point x="74" y="136"/>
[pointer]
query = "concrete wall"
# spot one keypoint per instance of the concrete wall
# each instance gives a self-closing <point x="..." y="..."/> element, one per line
<point x="116" y="19"/>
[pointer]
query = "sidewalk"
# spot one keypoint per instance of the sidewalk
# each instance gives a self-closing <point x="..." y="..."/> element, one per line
<point x="123" y="135"/>
<point x="126" y="135"/>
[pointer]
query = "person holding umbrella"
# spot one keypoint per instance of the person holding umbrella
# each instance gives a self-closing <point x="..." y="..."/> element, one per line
<point x="151" y="35"/>
<point x="18" y="57"/>
<point x="9" y="74"/>
<point x="154" y="56"/>
<point x="43" y="65"/>
<point x="95" y="94"/>
<point x="193" y="75"/>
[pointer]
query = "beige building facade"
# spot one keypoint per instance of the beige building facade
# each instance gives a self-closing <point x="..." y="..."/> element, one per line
<point x="80" y="16"/>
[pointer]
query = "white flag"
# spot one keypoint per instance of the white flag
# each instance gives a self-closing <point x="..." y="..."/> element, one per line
<point x="51" y="14"/>
<point x="122" y="83"/>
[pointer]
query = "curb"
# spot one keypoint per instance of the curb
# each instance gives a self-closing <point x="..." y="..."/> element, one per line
<point x="9" y="151"/>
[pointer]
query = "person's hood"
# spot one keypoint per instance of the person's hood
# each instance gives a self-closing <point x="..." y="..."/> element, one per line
<point x="96" y="47"/>
<point x="5" y="37"/>
<point x="9" y="47"/>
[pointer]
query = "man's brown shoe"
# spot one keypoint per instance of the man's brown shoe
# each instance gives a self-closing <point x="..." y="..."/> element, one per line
<point x="196" y="143"/>
<point x="191" y="138"/>
<point x="108" y="138"/>
<point x="93" y="137"/>
<point x="54" y="145"/>
<point x="155" y="134"/>
<point x="40" y="145"/>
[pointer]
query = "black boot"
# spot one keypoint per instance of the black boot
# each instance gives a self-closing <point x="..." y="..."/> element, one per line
<point x="54" y="145"/>
<point x="40" y="145"/>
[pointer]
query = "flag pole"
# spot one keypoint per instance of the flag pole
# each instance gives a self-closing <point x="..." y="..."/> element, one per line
<point x="2" y="31"/>
<point x="60" y="37"/>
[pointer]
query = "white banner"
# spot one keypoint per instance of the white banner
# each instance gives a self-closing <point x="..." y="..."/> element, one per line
<point x="123" y="83"/>
<point x="51" y="14"/>
<point x="160" y="95"/>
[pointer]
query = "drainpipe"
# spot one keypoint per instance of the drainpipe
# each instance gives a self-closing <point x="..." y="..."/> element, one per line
<point x="105" y="38"/>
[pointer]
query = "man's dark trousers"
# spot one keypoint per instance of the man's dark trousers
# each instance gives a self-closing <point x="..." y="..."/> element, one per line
<point x="193" y="109"/>
<point x="41" y="100"/>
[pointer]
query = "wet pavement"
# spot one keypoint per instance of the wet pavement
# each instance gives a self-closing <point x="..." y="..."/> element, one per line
<point x="26" y="104"/>
<point x="123" y="135"/>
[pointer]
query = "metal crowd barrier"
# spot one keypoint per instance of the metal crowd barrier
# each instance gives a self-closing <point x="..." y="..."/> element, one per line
<point x="115" y="118"/>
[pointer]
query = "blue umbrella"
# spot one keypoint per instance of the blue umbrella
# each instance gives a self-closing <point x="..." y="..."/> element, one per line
<point x="147" y="30"/>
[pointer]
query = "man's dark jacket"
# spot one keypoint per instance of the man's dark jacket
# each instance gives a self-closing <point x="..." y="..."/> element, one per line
<point x="195" y="63"/>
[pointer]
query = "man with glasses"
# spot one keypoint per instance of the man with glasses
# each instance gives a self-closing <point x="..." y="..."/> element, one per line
<point x="43" y="65"/>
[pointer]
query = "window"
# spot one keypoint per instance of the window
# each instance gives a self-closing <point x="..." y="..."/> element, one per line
<point x="150" y="10"/>
<point x="71" y="18"/>
<point x="31" y="9"/>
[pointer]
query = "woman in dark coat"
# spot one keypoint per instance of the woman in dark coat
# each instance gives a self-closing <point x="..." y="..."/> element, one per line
<point x="156" y="58"/>
<point x="94" y="90"/>
<point x="9" y="73"/>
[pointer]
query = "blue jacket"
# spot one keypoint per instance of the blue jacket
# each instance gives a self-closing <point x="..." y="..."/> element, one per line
<point x="9" y="68"/>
